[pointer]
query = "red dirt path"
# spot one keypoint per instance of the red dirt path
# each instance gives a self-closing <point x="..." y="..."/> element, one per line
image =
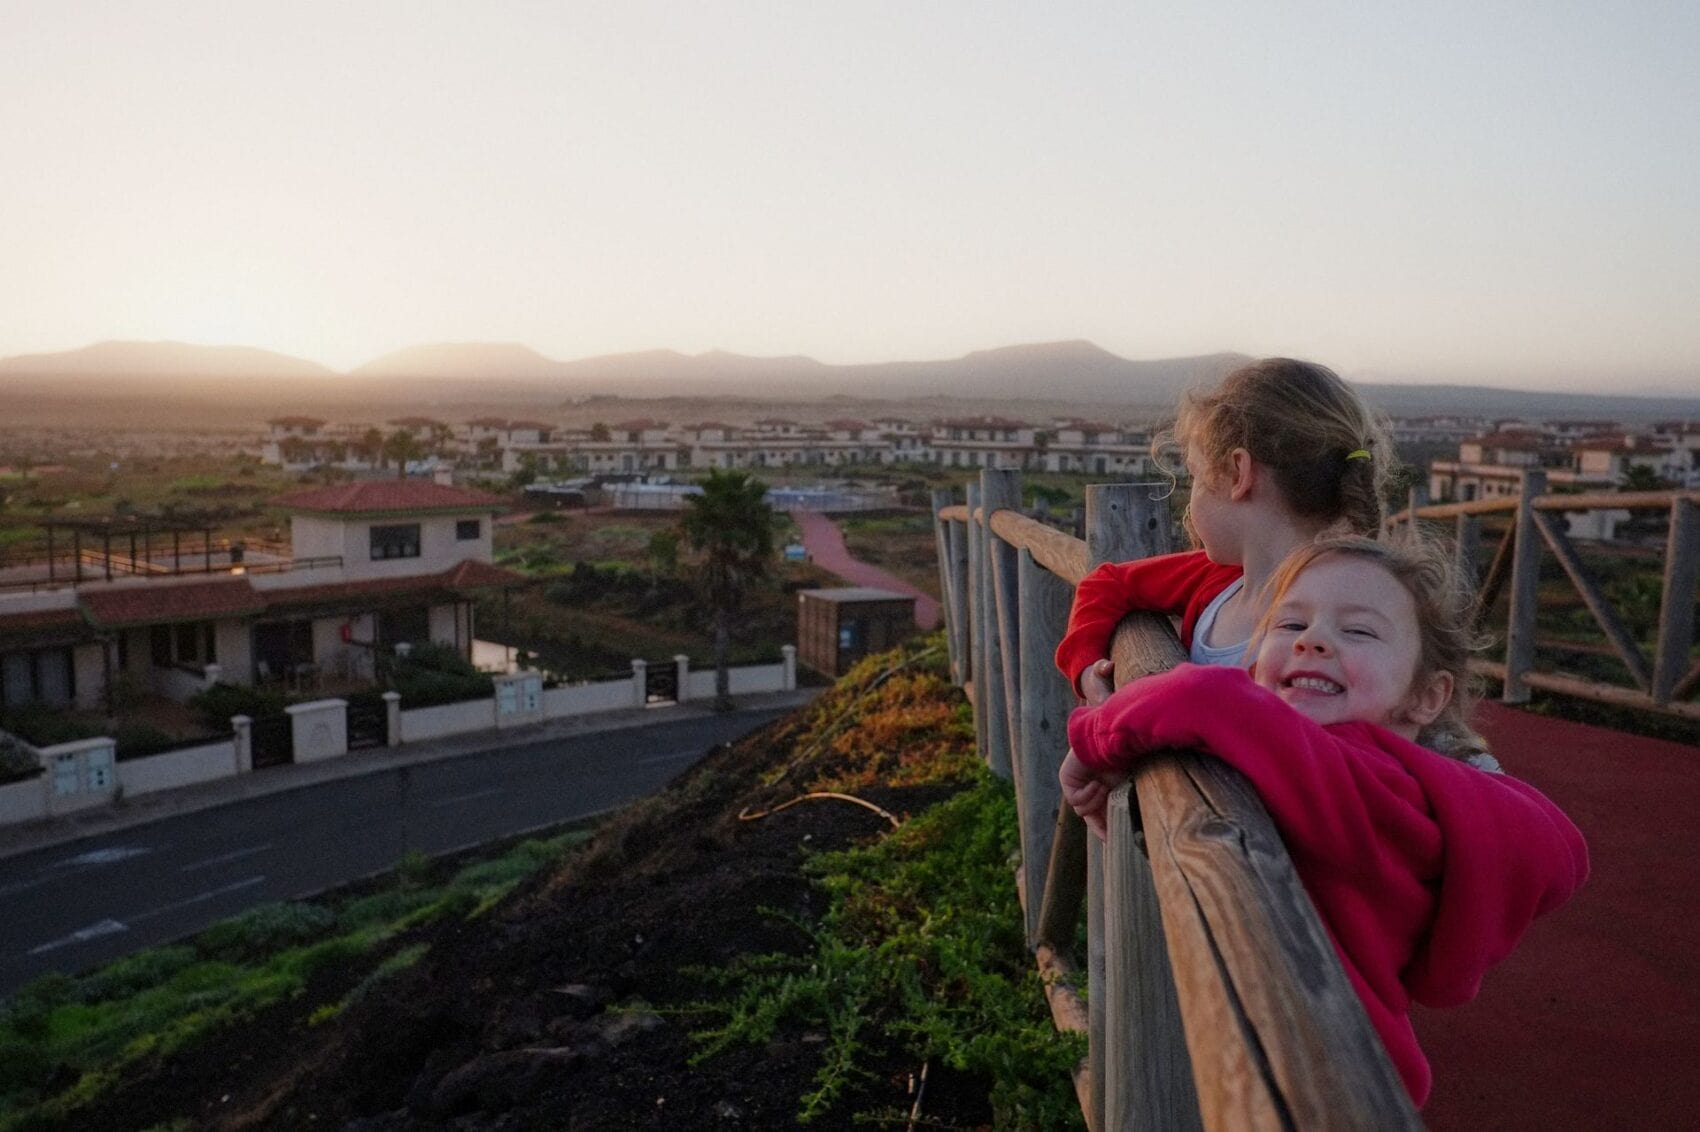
<point x="825" y="544"/>
<point x="1589" y="1023"/>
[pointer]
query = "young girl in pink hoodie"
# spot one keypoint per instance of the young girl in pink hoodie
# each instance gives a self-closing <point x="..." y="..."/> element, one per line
<point x="1424" y="870"/>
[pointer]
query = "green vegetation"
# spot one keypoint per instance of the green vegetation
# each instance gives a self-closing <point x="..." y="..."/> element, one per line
<point x="729" y="526"/>
<point x="65" y="1042"/>
<point x="918" y="960"/>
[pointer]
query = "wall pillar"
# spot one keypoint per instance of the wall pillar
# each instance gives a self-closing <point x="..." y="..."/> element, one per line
<point x="242" y="728"/>
<point x="789" y="681"/>
<point x="682" y="665"/>
<point x="392" y="719"/>
<point x="640" y="677"/>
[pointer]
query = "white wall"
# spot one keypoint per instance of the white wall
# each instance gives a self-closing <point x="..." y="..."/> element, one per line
<point x="23" y="801"/>
<point x="582" y="698"/>
<point x="442" y="626"/>
<point x="178" y="768"/>
<point x="90" y="668"/>
<point x="447" y="719"/>
<point x="234" y="642"/>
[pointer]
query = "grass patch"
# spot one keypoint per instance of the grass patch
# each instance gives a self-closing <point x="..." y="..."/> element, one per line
<point x="66" y="1042"/>
<point x="919" y="959"/>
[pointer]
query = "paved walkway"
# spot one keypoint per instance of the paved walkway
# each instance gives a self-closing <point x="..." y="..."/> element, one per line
<point x="146" y="808"/>
<point x="825" y="544"/>
<point x="1594" y="1021"/>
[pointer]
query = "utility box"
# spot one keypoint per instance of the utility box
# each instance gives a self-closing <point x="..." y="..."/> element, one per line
<point x="836" y="628"/>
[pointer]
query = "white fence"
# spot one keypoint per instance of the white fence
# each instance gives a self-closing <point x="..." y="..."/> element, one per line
<point x="85" y="774"/>
<point x="178" y="768"/>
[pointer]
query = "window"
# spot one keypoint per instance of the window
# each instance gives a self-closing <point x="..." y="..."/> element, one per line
<point x="189" y="645"/>
<point x="43" y="676"/>
<point x="400" y="541"/>
<point x="468" y="529"/>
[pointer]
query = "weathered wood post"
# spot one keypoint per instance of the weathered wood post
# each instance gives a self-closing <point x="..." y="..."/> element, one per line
<point x="1467" y="548"/>
<point x="1525" y="582"/>
<point x="1676" y="610"/>
<point x="941" y="542"/>
<point x="976" y="628"/>
<point x="1000" y="489"/>
<point x="1131" y="1077"/>
<point x="1046" y="700"/>
<point x="956" y="531"/>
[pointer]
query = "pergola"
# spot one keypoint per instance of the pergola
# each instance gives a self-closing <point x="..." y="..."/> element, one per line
<point x="140" y="531"/>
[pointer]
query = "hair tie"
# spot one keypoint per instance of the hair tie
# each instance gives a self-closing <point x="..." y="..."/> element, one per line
<point x="1360" y="454"/>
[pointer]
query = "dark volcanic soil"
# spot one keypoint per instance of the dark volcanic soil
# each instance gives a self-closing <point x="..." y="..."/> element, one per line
<point x="567" y="1007"/>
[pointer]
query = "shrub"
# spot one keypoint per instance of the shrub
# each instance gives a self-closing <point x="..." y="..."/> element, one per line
<point x="218" y="703"/>
<point x="264" y="929"/>
<point x="42" y="726"/>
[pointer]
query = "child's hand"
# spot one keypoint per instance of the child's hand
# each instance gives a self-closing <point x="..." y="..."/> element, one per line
<point x="1087" y="792"/>
<point x="1097" y="681"/>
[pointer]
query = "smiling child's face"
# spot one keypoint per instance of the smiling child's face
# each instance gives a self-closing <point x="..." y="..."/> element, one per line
<point x="1343" y="644"/>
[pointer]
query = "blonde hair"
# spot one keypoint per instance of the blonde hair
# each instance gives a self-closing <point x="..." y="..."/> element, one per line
<point x="1329" y="454"/>
<point x="1445" y="624"/>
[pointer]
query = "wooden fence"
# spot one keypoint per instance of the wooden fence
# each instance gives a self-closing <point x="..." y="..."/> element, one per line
<point x="1215" y="998"/>
<point x="1663" y="684"/>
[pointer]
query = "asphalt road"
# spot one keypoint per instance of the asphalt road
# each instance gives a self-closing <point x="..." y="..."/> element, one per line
<point x="79" y="905"/>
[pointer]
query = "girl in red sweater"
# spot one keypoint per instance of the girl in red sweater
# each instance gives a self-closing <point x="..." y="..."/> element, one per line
<point x="1282" y="451"/>
<point x="1424" y="870"/>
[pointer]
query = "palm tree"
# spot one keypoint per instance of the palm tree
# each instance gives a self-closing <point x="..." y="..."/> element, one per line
<point x="731" y="526"/>
<point x="402" y="446"/>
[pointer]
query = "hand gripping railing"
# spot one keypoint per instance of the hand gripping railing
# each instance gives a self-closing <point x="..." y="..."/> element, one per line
<point x="1215" y="997"/>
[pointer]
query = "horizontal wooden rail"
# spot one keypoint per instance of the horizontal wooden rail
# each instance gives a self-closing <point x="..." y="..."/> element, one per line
<point x="1558" y="501"/>
<point x="1061" y="554"/>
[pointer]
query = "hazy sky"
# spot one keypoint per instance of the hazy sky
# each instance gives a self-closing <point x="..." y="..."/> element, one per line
<point x="1479" y="191"/>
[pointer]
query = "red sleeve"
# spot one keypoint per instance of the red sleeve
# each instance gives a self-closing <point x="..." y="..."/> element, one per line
<point x="1368" y="805"/>
<point x="1167" y="584"/>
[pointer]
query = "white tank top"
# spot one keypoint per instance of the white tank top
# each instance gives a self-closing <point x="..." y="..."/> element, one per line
<point x="1202" y="653"/>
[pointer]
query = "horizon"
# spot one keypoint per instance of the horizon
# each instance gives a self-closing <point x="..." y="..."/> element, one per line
<point x="1472" y="197"/>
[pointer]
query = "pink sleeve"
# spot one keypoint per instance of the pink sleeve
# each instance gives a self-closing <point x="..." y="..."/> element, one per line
<point x="1290" y="761"/>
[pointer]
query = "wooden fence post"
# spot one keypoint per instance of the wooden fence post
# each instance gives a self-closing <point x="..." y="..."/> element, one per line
<point x="976" y="624"/>
<point x="960" y="627"/>
<point x="1046" y="700"/>
<point x="947" y="603"/>
<point x="1126" y="521"/>
<point x="1467" y="548"/>
<point x="1676" y="611"/>
<point x="1000" y="489"/>
<point x="1525" y="582"/>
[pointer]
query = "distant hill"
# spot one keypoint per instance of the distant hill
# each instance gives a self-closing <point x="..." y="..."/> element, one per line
<point x="163" y="359"/>
<point x="129" y="382"/>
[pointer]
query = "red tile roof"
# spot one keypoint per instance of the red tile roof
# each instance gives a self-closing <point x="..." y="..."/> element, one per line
<point x="373" y="496"/>
<point x="39" y="628"/>
<point x="157" y="602"/>
<point x="462" y="576"/>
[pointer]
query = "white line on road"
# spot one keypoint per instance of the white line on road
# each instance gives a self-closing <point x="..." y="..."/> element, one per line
<point x="459" y="798"/>
<point x="82" y="935"/>
<point x="57" y="871"/>
<point x="202" y="898"/>
<point x="226" y="858"/>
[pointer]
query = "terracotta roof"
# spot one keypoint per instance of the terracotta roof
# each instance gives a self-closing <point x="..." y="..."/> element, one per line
<point x="41" y="628"/>
<point x="296" y="422"/>
<point x="642" y="424"/>
<point x="372" y="496"/>
<point x="464" y="575"/>
<point x="157" y="602"/>
<point x="489" y="422"/>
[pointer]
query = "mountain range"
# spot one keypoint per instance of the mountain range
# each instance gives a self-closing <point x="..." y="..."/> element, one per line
<point x="456" y="375"/>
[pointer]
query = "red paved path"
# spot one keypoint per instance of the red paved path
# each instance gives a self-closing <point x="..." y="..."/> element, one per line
<point x="825" y="544"/>
<point x="1594" y="1022"/>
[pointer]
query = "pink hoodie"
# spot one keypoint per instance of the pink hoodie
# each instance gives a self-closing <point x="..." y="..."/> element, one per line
<point x="1425" y="871"/>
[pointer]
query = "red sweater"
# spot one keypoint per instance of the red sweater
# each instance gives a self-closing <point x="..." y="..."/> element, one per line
<point x="1425" y="872"/>
<point x="1176" y="584"/>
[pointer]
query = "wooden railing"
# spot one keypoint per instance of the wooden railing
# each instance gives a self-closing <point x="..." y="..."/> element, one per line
<point x="1215" y="998"/>
<point x="1665" y="683"/>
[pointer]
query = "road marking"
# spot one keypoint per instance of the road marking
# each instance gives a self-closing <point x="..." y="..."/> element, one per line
<point x="93" y="931"/>
<point x="201" y="898"/>
<point x="672" y="757"/>
<point x="105" y="856"/>
<point x="459" y="798"/>
<point x="226" y="858"/>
